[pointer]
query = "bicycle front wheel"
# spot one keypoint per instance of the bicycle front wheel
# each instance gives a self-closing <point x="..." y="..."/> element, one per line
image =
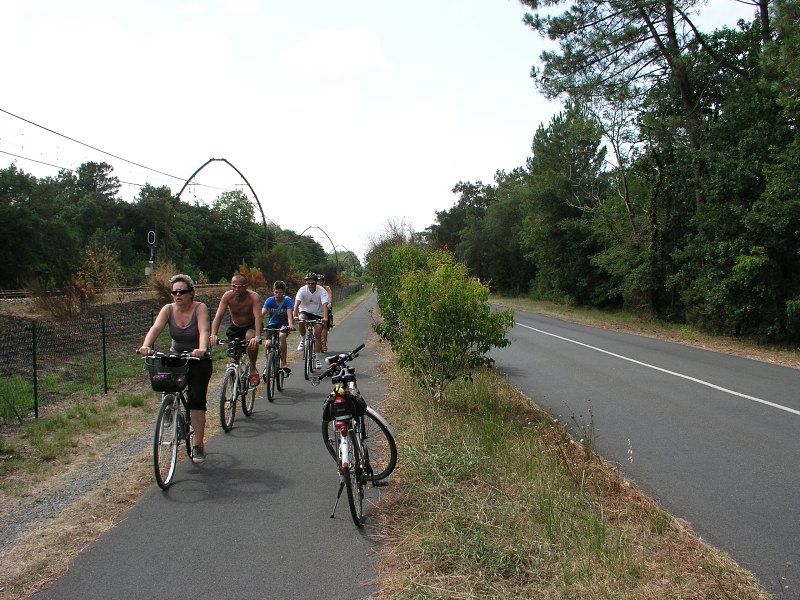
<point x="380" y="449"/>
<point x="308" y="356"/>
<point x="354" y="481"/>
<point x="165" y="442"/>
<point x="249" y="396"/>
<point x="270" y="377"/>
<point x="227" y="399"/>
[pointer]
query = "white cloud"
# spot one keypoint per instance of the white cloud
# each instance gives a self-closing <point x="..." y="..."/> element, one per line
<point x="334" y="52"/>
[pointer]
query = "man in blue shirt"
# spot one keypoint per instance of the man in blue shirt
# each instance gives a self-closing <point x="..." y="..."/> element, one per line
<point x="279" y="307"/>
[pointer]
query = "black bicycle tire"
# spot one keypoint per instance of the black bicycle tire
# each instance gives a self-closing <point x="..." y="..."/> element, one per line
<point x="164" y="481"/>
<point x="376" y="434"/>
<point x="308" y="356"/>
<point x="270" y="378"/>
<point x="249" y="397"/>
<point x="354" y="482"/>
<point x="280" y="372"/>
<point x="185" y="418"/>
<point x="228" y="394"/>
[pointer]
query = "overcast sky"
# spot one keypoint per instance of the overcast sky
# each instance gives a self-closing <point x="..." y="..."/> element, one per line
<point x="341" y="115"/>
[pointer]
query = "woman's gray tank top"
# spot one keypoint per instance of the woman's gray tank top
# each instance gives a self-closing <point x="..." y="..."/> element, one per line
<point x="184" y="339"/>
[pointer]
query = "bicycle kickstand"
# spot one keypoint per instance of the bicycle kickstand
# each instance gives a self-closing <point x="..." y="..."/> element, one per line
<point x="338" y="495"/>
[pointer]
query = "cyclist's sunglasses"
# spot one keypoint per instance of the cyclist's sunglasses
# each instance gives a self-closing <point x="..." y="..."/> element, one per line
<point x="179" y="292"/>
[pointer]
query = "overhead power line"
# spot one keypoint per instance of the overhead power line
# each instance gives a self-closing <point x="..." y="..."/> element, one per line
<point x="41" y="162"/>
<point x="97" y="150"/>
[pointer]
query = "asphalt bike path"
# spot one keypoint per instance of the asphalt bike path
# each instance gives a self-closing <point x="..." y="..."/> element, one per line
<point x="253" y="521"/>
<point x="712" y="437"/>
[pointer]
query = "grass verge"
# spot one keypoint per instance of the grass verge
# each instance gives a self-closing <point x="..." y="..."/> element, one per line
<point x="492" y="499"/>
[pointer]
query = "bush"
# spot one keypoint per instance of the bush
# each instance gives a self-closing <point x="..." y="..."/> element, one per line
<point x="447" y="325"/>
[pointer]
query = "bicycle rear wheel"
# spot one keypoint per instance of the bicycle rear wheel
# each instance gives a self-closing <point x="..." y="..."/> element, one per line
<point x="249" y="395"/>
<point x="280" y="375"/>
<point x="165" y="442"/>
<point x="380" y="448"/>
<point x="354" y="481"/>
<point x="186" y="432"/>
<point x="271" y="376"/>
<point x="227" y="399"/>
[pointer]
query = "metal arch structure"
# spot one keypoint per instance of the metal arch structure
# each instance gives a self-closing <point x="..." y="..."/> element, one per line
<point x="353" y="263"/>
<point x="335" y="253"/>
<point x="226" y="161"/>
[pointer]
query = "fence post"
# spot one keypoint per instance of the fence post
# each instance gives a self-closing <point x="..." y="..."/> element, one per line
<point x="105" y="363"/>
<point x="35" y="375"/>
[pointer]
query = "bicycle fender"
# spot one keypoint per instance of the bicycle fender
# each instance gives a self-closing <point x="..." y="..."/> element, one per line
<point x="379" y="417"/>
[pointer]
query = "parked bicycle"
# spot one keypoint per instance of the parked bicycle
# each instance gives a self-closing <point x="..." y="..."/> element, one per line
<point x="235" y="384"/>
<point x="273" y="375"/>
<point x="357" y="437"/>
<point x="168" y="373"/>
<point x="308" y="346"/>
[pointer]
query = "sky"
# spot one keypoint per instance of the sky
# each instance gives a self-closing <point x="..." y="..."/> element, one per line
<point x="342" y="116"/>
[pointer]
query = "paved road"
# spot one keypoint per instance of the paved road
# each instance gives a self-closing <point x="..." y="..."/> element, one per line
<point x="253" y="521"/>
<point x="713" y="437"/>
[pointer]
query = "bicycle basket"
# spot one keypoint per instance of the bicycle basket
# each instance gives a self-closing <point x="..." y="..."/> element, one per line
<point x="169" y="373"/>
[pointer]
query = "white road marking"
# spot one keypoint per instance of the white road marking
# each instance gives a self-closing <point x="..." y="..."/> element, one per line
<point x="638" y="362"/>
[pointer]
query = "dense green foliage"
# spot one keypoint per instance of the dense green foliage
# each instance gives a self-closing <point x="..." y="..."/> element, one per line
<point x="669" y="182"/>
<point x="434" y="314"/>
<point x="74" y="227"/>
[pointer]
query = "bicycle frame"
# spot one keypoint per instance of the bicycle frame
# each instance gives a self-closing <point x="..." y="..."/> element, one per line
<point x="344" y="431"/>
<point x="173" y="422"/>
<point x="273" y="376"/>
<point x="235" y="384"/>
<point x="308" y="345"/>
<point x="374" y="432"/>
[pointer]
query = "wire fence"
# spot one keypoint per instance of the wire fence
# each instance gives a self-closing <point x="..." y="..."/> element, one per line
<point x="43" y="362"/>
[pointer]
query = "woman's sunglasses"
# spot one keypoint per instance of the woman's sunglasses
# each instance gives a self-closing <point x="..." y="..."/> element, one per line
<point x="179" y="292"/>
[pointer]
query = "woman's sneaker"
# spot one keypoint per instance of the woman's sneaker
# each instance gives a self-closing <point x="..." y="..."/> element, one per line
<point x="301" y="345"/>
<point x="198" y="454"/>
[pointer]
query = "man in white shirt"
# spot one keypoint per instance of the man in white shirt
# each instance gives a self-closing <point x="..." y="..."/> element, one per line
<point x="311" y="303"/>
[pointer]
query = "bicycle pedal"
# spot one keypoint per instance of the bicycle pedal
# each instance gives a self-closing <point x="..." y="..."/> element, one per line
<point x="380" y="483"/>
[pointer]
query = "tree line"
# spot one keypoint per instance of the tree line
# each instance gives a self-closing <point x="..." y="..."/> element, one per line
<point x="669" y="182"/>
<point x="72" y="230"/>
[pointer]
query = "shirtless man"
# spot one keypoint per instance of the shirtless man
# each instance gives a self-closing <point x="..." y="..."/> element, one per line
<point x="245" y="309"/>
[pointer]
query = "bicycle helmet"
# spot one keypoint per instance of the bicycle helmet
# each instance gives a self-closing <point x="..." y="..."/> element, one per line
<point x="310" y="275"/>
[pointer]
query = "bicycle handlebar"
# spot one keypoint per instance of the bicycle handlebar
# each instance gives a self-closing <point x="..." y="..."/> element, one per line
<point x="234" y="343"/>
<point x="337" y="364"/>
<point x="189" y="355"/>
<point x="285" y="328"/>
